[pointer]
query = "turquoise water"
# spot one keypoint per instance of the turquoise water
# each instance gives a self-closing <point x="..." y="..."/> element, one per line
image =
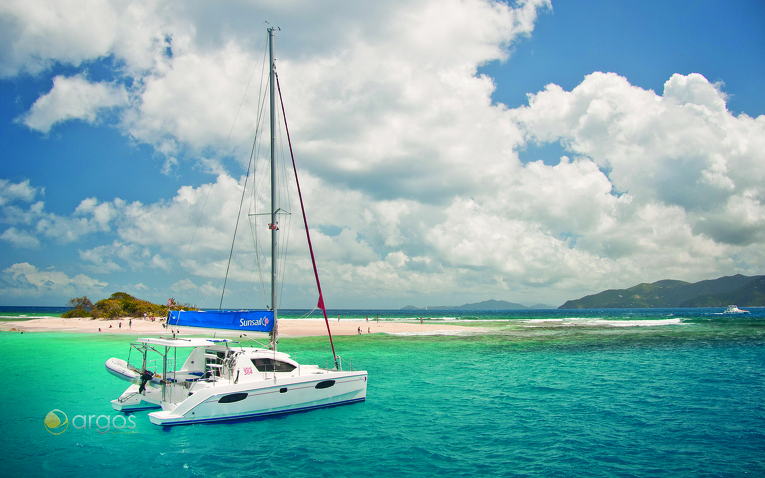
<point x="8" y="313"/>
<point x="532" y="398"/>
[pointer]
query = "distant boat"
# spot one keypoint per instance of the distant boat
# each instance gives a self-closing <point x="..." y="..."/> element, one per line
<point x="732" y="309"/>
<point x="222" y="379"/>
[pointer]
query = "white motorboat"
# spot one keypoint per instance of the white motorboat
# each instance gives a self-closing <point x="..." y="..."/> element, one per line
<point x="732" y="309"/>
<point x="222" y="379"/>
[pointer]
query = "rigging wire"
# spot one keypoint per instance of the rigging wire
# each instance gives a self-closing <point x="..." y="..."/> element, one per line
<point x="309" y="313"/>
<point x="262" y="183"/>
<point x="225" y="147"/>
<point x="210" y="291"/>
<point x="236" y="228"/>
<point x="252" y="162"/>
<point x="258" y="184"/>
<point x="282" y="270"/>
<point x="305" y="222"/>
<point x="258" y="252"/>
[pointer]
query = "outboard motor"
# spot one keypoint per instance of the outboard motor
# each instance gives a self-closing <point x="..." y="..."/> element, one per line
<point x="145" y="377"/>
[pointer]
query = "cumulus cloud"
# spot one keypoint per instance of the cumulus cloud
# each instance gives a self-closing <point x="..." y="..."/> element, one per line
<point x="192" y="103"/>
<point x="20" y="238"/>
<point x="32" y="222"/>
<point x="188" y="72"/>
<point x="203" y="295"/>
<point x="73" y="98"/>
<point x="681" y="149"/>
<point x="13" y="213"/>
<point x="37" y="34"/>
<point x="160" y="262"/>
<point x="171" y="163"/>
<point x="23" y="280"/>
<point x="22" y="191"/>
<point x="87" y="218"/>
<point x="99" y="259"/>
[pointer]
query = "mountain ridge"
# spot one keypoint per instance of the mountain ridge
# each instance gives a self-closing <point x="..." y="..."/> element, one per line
<point x="490" y="304"/>
<point x="747" y="291"/>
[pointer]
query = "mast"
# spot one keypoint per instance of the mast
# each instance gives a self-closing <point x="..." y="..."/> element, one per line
<point x="274" y="86"/>
<point x="272" y="226"/>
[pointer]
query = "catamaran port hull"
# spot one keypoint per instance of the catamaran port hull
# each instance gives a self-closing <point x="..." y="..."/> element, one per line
<point x="133" y="401"/>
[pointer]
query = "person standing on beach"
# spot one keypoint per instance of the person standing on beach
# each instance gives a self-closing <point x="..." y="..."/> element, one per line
<point x="130" y="323"/>
<point x="120" y="324"/>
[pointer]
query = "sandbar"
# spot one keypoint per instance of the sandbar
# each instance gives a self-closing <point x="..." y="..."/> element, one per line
<point x="287" y="327"/>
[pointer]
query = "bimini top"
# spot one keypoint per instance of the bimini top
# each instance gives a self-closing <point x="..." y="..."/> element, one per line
<point x="183" y="342"/>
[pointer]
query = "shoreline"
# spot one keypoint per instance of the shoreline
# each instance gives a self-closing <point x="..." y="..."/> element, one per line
<point x="287" y="327"/>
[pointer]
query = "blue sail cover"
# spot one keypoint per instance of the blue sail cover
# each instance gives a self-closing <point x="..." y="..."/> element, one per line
<point x="250" y="320"/>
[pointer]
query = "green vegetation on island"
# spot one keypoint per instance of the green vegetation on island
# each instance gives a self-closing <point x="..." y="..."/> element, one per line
<point x="119" y="304"/>
<point x="739" y="289"/>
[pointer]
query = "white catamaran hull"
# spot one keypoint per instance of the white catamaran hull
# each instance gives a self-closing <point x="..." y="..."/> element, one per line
<point x="223" y="380"/>
<point x="132" y="401"/>
<point x="247" y="400"/>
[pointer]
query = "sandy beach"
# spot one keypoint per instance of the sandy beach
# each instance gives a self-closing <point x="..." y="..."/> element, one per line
<point x="287" y="327"/>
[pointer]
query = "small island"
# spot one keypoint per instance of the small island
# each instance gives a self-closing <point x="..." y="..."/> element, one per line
<point x="119" y="304"/>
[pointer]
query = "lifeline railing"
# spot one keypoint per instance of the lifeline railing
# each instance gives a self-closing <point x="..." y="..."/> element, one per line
<point x="340" y="362"/>
<point x="156" y="365"/>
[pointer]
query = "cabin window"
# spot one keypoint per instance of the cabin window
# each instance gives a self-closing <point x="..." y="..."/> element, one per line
<point x="271" y="365"/>
<point x="234" y="397"/>
<point x="325" y="384"/>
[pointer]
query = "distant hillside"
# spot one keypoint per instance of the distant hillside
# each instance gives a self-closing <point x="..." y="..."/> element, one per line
<point x="739" y="289"/>
<point x="542" y="306"/>
<point x="485" y="305"/>
<point x="750" y="295"/>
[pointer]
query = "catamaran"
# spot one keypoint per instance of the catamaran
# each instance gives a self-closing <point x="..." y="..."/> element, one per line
<point x="225" y="379"/>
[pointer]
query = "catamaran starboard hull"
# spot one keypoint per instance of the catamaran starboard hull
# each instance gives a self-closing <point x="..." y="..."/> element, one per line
<point x="285" y="396"/>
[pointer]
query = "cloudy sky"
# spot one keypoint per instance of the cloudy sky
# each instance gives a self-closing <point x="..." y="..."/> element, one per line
<point x="450" y="151"/>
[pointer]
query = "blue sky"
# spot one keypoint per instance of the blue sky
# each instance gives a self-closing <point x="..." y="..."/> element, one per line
<point x="646" y="42"/>
<point x="429" y="136"/>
